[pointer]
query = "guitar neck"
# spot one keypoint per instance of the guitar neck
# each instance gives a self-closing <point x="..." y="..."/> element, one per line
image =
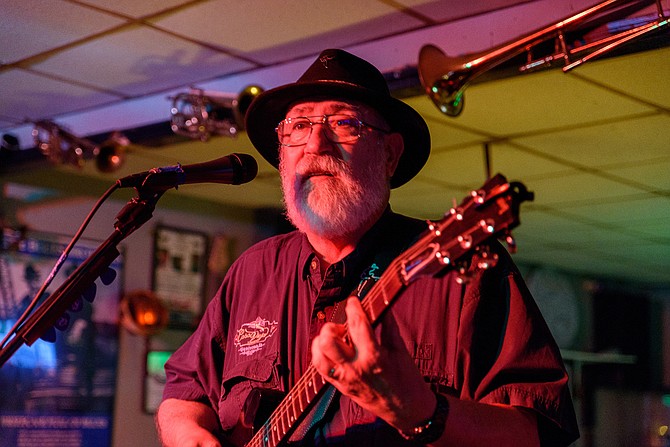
<point x="304" y="395"/>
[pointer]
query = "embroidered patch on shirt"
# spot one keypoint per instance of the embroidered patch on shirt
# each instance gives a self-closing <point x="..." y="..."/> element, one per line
<point x="251" y="337"/>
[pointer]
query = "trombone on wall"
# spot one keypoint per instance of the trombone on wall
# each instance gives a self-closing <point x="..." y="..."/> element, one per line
<point x="445" y="78"/>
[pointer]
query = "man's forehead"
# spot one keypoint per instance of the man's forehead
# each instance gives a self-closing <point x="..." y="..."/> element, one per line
<point x="328" y="106"/>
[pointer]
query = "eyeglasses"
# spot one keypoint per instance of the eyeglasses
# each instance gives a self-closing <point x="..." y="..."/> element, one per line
<point x="341" y="129"/>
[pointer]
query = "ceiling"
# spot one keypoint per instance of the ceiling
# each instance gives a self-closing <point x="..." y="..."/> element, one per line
<point x="591" y="143"/>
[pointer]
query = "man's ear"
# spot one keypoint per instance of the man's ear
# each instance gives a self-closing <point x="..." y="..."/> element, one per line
<point x="395" y="145"/>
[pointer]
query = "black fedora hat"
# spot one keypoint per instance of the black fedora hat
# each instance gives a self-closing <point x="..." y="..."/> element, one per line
<point x="341" y="75"/>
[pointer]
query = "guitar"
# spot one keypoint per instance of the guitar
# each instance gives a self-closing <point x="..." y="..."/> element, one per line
<point x="491" y="211"/>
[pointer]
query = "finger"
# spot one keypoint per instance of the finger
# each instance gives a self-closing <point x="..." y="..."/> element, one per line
<point x="321" y="363"/>
<point x="329" y="349"/>
<point x="360" y="330"/>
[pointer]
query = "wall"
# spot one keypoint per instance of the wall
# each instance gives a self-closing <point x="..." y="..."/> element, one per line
<point x="132" y="426"/>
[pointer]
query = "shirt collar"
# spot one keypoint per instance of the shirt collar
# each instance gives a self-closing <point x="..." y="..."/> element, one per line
<point x="369" y="243"/>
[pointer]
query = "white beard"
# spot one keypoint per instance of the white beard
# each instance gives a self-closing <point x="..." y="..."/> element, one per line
<point x="336" y="206"/>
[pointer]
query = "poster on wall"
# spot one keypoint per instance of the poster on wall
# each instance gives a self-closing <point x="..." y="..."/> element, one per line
<point x="57" y="393"/>
<point x="179" y="274"/>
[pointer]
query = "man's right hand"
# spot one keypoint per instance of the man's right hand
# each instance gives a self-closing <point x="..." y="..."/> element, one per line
<point x="183" y="423"/>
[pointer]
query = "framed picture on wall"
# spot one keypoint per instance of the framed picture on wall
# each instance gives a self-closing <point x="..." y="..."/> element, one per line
<point x="179" y="272"/>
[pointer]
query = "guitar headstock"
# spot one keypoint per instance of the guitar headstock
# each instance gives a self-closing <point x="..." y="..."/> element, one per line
<point x="490" y="211"/>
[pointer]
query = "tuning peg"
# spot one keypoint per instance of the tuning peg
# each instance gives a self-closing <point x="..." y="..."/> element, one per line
<point x="463" y="276"/>
<point x="433" y="227"/>
<point x="488" y="225"/>
<point x="478" y="196"/>
<point x="511" y="243"/>
<point x="486" y="259"/>
<point x="456" y="211"/>
<point x="465" y="241"/>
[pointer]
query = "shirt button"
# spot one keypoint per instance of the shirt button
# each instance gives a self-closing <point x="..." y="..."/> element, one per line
<point x="314" y="264"/>
<point x="321" y="315"/>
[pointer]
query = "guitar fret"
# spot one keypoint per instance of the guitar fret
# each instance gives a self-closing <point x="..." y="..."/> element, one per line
<point x="275" y="434"/>
<point x="302" y="407"/>
<point x="386" y="298"/>
<point x="291" y="409"/>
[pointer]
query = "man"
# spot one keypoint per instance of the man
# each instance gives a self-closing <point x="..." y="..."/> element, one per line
<point x="449" y="365"/>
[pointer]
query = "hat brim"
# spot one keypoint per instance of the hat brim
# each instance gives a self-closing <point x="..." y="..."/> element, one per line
<point x="270" y="107"/>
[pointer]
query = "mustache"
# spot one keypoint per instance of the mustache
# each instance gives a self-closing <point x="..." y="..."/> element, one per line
<point x="322" y="164"/>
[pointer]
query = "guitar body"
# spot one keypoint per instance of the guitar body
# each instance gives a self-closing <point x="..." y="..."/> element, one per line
<point x="258" y="407"/>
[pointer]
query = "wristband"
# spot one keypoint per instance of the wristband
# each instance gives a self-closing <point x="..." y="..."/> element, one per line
<point x="432" y="429"/>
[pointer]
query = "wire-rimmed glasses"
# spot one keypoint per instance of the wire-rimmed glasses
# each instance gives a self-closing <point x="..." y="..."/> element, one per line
<point x="341" y="128"/>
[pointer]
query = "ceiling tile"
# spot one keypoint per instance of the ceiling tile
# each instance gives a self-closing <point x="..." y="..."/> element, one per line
<point x="31" y="27"/>
<point x="226" y="24"/>
<point x="643" y="75"/>
<point x="158" y="62"/>
<point x="521" y="164"/>
<point x="625" y="212"/>
<point x="35" y="97"/>
<point x="136" y="9"/>
<point x="654" y="173"/>
<point x="609" y="144"/>
<point x="442" y="10"/>
<point x="557" y="101"/>
<point x="463" y="165"/>
<point x="580" y="188"/>
<point x="444" y="134"/>
<point x="425" y="200"/>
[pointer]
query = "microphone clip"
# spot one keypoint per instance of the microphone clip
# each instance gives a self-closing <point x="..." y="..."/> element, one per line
<point x="177" y="170"/>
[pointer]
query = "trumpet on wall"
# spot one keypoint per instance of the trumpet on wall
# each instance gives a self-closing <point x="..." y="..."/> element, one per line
<point x="60" y="146"/>
<point x="199" y="114"/>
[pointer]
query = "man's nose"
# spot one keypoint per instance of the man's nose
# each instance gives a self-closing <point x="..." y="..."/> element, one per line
<point x="318" y="141"/>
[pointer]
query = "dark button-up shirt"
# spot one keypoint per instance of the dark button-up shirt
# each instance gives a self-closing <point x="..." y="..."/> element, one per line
<point x="483" y="340"/>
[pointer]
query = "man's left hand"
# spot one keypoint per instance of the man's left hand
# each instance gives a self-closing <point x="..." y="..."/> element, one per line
<point x="381" y="379"/>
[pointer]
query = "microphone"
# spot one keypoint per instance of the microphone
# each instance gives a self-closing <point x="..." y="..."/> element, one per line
<point x="232" y="169"/>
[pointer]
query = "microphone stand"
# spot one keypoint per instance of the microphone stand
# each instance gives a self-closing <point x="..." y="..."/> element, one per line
<point x="136" y="213"/>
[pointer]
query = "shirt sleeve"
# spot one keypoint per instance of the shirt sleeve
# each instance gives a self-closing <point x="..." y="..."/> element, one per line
<point x="507" y="354"/>
<point x="193" y="371"/>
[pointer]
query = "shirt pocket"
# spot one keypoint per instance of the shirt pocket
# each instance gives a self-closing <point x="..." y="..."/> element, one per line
<point x="239" y="380"/>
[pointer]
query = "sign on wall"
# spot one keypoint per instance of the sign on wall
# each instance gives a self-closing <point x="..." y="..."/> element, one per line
<point x="57" y="393"/>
